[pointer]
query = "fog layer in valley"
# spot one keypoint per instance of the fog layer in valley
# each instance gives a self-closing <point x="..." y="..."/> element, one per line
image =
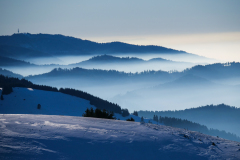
<point x="104" y="62"/>
<point x="154" y="90"/>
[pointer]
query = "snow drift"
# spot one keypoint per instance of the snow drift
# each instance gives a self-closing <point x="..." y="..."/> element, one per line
<point x="67" y="137"/>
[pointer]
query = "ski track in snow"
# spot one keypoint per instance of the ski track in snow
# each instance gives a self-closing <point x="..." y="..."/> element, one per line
<point x="28" y="136"/>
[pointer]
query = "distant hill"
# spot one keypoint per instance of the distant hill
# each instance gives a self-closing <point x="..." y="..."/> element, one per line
<point x="20" y="51"/>
<point x="104" y="83"/>
<point x="10" y="62"/>
<point x="187" y="80"/>
<point x="64" y="45"/>
<point x="216" y="71"/>
<point x="111" y="59"/>
<point x="188" y="125"/>
<point x="116" y="82"/>
<point x="222" y="117"/>
<point x="108" y="59"/>
<point x="184" y="92"/>
<point x="131" y="64"/>
<point x="7" y="73"/>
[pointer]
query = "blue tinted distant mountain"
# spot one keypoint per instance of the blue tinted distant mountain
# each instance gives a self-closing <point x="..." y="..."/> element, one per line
<point x="30" y="46"/>
<point x="191" y="79"/>
<point x="112" y="59"/>
<point x="188" y="90"/>
<point x="204" y="75"/>
<point x="21" y="51"/>
<point x="63" y="45"/>
<point x="216" y="71"/>
<point x="7" y="73"/>
<point x="223" y="117"/>
<point x="5" y="61"/>
<point x="131" y="64"/>
<point x="103" y="83"/>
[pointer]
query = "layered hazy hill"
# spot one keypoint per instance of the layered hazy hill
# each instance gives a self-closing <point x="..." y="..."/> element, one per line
<point x="105" y="62"/>
<point x="47" y="49"/>
<point x="95" y="81"/>
<point x="185" y="92"/>
<point x="10" y="62"/>
<point x="132" y="64"/>
<point x="9" y="73"/>
<point x="220" y="116"/>
<point x="153" y="90"/>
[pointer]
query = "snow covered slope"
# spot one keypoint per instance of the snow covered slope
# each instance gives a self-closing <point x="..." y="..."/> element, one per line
<point x="66" y="137"/>
<point x="25" y="101"/>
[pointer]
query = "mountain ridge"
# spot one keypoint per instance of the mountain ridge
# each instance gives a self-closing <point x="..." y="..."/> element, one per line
<point x="59" y="44"/>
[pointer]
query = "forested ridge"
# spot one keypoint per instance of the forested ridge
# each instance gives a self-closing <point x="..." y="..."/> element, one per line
<point x="8" y="82"/>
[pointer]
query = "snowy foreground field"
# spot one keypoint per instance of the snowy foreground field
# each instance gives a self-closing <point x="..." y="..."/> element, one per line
<point x="67" y="137"/>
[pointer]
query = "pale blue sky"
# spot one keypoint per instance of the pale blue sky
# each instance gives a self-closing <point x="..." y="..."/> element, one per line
<point x="133" y="21"/>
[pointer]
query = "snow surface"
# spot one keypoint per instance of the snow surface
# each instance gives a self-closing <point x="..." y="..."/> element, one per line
<point x="67" y="137"/>
<point x="25" y="101"/>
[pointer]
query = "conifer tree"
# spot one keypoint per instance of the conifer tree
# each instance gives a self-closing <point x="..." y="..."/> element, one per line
<point x="142" y="120"/>
<point x="39" y="106"/>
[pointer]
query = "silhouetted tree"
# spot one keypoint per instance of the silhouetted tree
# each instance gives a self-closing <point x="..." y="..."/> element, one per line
<point x="7" y="90"/>
<point x="130" y="119"/>
<point x="2" y="97"/>
<point x="39" y="106"/>
<point x="98" y="113"/>
<point x="125" y="112"/>
<point x="142" y="120"/>
<point x="135" y="113"/>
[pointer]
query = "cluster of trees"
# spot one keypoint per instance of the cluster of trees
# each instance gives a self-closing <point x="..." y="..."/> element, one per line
<point x="98" y="113"/>
<point x="125" y="112"/>
<point x="6" y="90"/>
<point x="97" y="102"/>
<point x="185" y="124"/>
<point x="130" y="119"/>
<point x="135" y="113"/>
<point x="8" y="82"/>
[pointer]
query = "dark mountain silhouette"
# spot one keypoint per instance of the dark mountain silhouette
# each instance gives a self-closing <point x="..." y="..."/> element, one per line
<point x="112" y="59"/>
<point x="106" y="59"/>
<point x="63" y="45"/>
<point x="7" y="73"/>
<point x="222" y="117"/>
<point x="159" y="60"/>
